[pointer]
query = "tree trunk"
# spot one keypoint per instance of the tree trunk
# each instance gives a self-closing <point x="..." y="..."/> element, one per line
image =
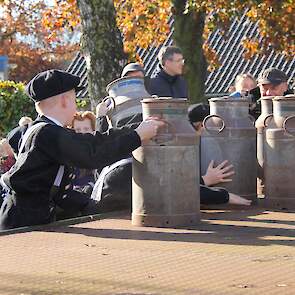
<point x="102" y="46"/>
<point x="188" y="31"/>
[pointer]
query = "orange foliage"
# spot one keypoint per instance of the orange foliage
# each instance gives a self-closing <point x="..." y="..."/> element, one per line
<point x="145" y="23"/>
<point x="63" y="15"/>
<point x="276" y="25"/>
<point x="23" y="40"/>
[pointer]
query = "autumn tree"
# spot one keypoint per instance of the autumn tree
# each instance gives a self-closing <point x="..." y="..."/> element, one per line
<point x="101" y="43"/>
<point x="25" y="41"/>
<point x="144" y="24"/>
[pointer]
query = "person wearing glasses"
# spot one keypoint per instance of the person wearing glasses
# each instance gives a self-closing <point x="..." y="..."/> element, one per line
<point x="169" y="81"/>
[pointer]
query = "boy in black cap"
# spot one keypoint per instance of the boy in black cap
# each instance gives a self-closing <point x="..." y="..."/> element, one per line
<point x="48" y="150"/>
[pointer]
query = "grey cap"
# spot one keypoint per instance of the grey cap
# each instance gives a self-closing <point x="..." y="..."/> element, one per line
<point x="272" y="76"/>
<point x="132" y="67"/>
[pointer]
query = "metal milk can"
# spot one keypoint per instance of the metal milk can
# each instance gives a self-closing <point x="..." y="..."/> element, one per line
<point x="261" y="124"/>
<point x="279" y="159"/>
<point x="229" y="134"/>
<point x="165" y="184"/>
<point x="124" y="99"/>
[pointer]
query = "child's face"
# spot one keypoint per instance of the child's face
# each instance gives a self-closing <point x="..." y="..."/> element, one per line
<point x="83" y="126"/>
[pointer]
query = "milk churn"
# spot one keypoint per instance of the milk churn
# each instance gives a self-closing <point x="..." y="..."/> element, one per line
<point x="260" y="124"/>
<point x="165" y="184"/>
<point x="229" y="134"/>
<point x="279" y="162"/>
<point x="124" y="99"/>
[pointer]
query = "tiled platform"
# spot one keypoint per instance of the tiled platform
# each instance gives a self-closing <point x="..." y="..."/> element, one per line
<point x="230" y="252"/>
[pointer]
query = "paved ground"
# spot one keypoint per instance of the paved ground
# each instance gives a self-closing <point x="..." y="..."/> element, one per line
<point x="230" y="252"/>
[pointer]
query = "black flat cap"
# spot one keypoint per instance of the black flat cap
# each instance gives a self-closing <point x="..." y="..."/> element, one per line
<point x="132" y="67"/>
<point x="197" y="112"/>
<point x="272" y="76"/>
<point x="50" y="83"/>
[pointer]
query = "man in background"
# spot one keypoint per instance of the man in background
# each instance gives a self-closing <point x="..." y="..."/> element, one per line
<point x="271" y="82"/>
<point x="169" y="82"/>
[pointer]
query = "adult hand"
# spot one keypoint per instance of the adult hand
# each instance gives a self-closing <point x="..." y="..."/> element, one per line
<point x="237" y="200"/>
<point x="218" y="174"/>
<point x="101" y="109"/>
<point x="149" y="128"/>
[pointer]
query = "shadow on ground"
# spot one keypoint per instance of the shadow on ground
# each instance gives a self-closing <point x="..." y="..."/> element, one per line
<point x="255" y="227"/>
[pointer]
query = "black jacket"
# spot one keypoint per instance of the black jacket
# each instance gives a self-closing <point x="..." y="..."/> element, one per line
<point x="15" y="135"/>
<point x="32" y="176"/>
<point x="164" y="85"/>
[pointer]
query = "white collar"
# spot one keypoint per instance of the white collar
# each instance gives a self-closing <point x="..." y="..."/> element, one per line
<point x="54" y="121"/>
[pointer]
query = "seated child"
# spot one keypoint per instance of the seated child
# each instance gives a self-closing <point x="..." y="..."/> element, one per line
<point x="84" y="122"/>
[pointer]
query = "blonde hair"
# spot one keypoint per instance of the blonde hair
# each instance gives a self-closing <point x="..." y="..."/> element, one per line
<point x="81" y="116"/>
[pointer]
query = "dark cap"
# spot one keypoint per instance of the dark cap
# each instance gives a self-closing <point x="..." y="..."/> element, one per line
<point x="50" y="83"/>
<point x="132" y="67"/>
<point x="197" y="112"/>
<point x="272" y="76"/>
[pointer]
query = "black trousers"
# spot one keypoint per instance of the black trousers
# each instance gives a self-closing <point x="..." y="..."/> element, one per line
<point x="27" y="211"/>
<point x="213" y="195"/>
<point x="19" y="212"/>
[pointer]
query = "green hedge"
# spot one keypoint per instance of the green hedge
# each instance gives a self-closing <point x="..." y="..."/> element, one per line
<point x="14" y="104"/>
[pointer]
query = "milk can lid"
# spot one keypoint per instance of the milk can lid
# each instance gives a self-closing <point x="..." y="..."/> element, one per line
<point x="228" y="99"/>
<point x="267" y="97"/>
<point x="125" y="80"/>
<point x="287" y="97"/>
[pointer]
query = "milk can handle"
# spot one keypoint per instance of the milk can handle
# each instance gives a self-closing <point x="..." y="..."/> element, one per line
<point x="285" y="127"/>
<point x="112" y="105"/>
<point x="267" y="117"/>
<point x="210" y="116"/>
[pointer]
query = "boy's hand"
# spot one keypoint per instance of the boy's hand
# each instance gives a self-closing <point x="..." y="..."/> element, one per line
<point x="149" y="128"/>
